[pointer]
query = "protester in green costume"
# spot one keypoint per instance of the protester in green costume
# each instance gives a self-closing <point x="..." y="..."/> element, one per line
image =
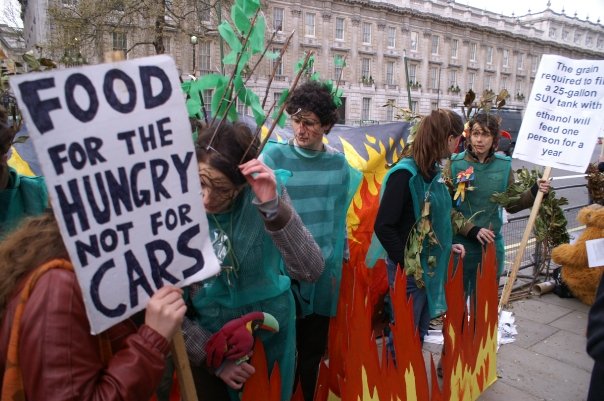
<point x="411" y="191"/>
<point x="257" y="236"/>
<point x="492" y="172"/>
<point x="321" y="188"/>
<point x="20" y="196"/>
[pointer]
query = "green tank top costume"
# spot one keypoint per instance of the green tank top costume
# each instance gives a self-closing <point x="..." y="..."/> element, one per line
<point x="252" y="279"/>
<point x="440" y="217"/>
<point x="321" y="188"/>
<point x="489" y="178"/>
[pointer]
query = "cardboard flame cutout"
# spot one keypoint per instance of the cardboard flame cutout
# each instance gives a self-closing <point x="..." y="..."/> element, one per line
<point x="355" y="369"/>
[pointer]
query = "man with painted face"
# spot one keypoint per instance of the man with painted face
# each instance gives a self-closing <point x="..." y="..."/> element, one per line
<point x="20" y="196"/>
<point x="492" y="173"/>
<point x="321" y="188"/>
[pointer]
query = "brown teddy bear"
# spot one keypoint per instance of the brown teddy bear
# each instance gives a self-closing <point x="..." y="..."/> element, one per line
<point x="581" y="279"/>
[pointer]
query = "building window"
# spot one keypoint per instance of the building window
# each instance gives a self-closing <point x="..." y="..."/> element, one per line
<point x="391" y="37"/>
<point x="434" y="105"/>
<point x="205" y="13"/>
<point x="278" y="14"/>
<point x="434" y="77"/>
<point x="577" y="37"/>
<point x="588" y="41"/>
<point x="552" y="32"/>
<point x="207" y="101"/>
<point x="454" y="47"/>
<point x="275" y="64"/>
<point x="167" y="44"/>
<point x="520" y="61"/>
<point x="452" y="78"/>
<point x="242" y="109"/>
<point x="489" y="55"/>
<point x="277" y="96"/>
<point x="414" y="106"/>
<point x="506" y="58"/>
<point x="390" y="72"/>
<point x="338" y="68"/>
<point x="390" y="110"/>
<point x="534" y="63"/>
<point x="504" y="82"/>
<point x="471" y="80"/>
<point x="366" y="33"/>
<point x="365" y="111"/>
<point x="310" y="24"/>
<point x="339" y="28"/>
<point x="205" y="57"/>
<point x="120" y="41"/>
<point x="519" y="85"/>
<point x="412" y="73"/>
<point x="488" y="82"/>
<point x="473" y="51"/>
<point x="365" y="68"/>
<point x="435" y="44"/>
<point x="414" y="39"/>
<point x="565" y="34"/>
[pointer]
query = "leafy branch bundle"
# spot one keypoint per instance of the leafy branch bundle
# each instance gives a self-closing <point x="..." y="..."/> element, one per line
<point x="550" y="225"/>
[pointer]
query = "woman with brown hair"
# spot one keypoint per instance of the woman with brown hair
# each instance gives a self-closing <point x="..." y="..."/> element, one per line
<point x="413" y="189"/>
<point x="261" y="242"/>
<point x="47" y="351"/>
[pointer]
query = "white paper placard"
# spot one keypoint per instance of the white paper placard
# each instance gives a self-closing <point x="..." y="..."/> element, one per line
<point x="564" y="115"/>
<point x="595" y="252"/>
<point x="115" y="146"/>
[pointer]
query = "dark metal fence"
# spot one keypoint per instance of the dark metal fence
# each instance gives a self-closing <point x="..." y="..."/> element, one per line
<point x="513" y="231"/>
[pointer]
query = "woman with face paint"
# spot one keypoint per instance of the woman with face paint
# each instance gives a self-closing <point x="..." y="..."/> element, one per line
<point x="492" y="173"/>
<point x="261" y="242"/>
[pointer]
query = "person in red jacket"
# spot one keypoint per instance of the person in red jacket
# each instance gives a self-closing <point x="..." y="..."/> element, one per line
<point x="46" y="349"/>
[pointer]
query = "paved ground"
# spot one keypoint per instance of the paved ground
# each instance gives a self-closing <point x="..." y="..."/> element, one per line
<point x="548" y="359"/>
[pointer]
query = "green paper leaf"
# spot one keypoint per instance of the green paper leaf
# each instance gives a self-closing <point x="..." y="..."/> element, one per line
<point x="256" y="41"/>
<point x="242" y="21"/>
<point x="249" y="7"/>
<point x="229" y="36"/>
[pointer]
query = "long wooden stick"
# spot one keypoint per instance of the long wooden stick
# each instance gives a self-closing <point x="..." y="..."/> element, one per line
<point x="183" y="368"/>
<point x="507" y="289"/>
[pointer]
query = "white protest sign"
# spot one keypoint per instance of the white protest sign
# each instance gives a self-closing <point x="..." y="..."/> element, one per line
<point x="115" y="146"/>
<point x="564" y="115"/>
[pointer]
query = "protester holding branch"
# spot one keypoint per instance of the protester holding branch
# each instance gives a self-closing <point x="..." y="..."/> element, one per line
<point x="478" y="173"/>
<point x="47" y="351"/>
<point x="319" y="169"/>
<point x="256" y="235"/>
<point x="414" y="198"/>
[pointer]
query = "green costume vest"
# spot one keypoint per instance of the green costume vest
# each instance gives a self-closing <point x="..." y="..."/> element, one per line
<point x="440" y="217"/>
<point x="255" y="283"/>
<point x="321" y="188"/>
<point x="489" y="178"/>
<point x="24" y="196"/>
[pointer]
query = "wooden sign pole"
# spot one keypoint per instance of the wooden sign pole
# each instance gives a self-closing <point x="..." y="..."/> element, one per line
<point x="507" y="289"/>
<point x="183" y="368"/>
<point x="179" y="352"/>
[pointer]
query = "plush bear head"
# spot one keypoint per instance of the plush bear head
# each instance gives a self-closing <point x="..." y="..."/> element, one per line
<point x="592" y="216"/>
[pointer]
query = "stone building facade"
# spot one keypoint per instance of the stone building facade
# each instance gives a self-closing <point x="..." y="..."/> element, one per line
<point x="437" y="49"/>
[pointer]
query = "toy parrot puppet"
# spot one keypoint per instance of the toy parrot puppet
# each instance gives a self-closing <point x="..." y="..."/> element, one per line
<point x="235" y="340"/>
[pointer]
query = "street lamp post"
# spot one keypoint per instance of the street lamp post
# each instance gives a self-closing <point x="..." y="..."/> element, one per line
<point x="193" y="43"/>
